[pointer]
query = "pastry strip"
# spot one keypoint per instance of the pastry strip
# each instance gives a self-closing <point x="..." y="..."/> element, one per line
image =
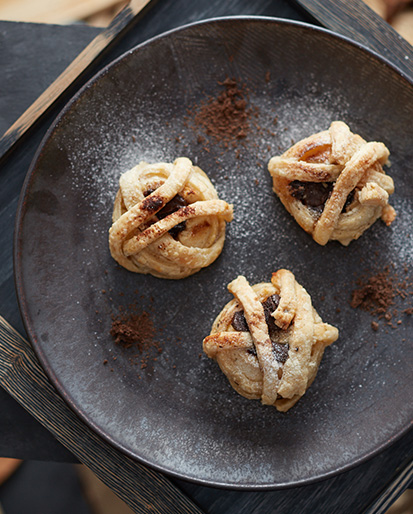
<point x="353" y="171"/>
<point x="229" y="341"/>
<point x="341" y="209"/>
<point x="254" y="314"/>
<point x="284" y="281"/>
<point x="161" y="227"/>
<point x="304" y="341"/>
<point x="295" y="372"/>
<point x="344" y="144"/>
<point x="373" y="194"/>
<point x="139" y="239"/>
<point x="306" y="171"/>
<point x="141" y="212"/>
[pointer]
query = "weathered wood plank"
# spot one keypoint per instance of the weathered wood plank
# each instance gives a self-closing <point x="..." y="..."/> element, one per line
<point x="354" y="19"/>
<point x="44" y="11"/>
<point x="390" y="494"/>
<point x="347" y="493"/>
<point x="122" y="22"/>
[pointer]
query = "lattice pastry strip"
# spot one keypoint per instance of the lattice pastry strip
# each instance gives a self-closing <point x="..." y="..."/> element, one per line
<point x="269" y="340"/>
<point x="167" y="220"/>
<point x="333" y="184"/>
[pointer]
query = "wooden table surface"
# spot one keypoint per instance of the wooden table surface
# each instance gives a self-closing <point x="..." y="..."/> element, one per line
<point x="31" y="57"/>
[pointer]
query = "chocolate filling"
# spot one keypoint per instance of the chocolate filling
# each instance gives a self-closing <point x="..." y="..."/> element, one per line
<point x="239" y="323"/>
<point x="173" y="205"/>
<point x="315" y="194"/>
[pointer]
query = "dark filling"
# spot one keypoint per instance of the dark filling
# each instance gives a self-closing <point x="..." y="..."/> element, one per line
<point x="315" y="194"/>
<point x="173" y="205"/>
<point x="239" y="323"/>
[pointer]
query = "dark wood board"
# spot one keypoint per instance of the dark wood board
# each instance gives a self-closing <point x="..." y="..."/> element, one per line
<point x="23" y="51"/>
<point x="355" y="20"/>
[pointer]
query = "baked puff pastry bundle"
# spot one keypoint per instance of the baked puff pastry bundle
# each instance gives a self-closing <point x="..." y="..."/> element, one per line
<point x="167" y="220"/>
<point x="269" y="340"/>
<point x="333" y="184"/>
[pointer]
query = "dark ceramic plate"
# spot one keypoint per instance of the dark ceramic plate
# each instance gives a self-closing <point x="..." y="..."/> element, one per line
<point x="179" y="414"/>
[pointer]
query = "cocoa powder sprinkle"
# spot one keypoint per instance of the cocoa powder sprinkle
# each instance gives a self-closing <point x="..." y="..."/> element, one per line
<point x="377" y="294"/>
<point x="374" y="294"/>
<point x="225" y="119"/>
<point x="135" y="331"/>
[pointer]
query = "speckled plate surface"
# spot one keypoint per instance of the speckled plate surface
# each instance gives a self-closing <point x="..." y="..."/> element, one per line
<point x="179" y="414"/>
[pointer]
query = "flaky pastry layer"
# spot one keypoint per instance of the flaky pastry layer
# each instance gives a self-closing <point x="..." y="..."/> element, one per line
<point x="354" y="166"/>
<point x="140" y="241"/>
<point x="248" y="359"/>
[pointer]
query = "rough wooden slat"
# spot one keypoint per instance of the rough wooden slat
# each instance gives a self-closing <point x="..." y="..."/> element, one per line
<point x="390" y="494"/>
<point x="143" y="489"/>
<point x="347" y="493"/>
<point x="121" y="23"/>
<point x="354" y="19"/>
<point x="44" y="11"/>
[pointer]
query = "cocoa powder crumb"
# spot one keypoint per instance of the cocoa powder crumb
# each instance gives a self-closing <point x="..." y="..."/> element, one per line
<point x="224" y="119"/>
<point x="377" y="293"/>
<point x="130" y="329"/>
<point x="135" y="331"/>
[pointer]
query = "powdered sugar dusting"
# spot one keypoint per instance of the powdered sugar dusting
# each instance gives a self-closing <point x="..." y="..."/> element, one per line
<point x="103" y="163"/>
<point x="399" y="234"/>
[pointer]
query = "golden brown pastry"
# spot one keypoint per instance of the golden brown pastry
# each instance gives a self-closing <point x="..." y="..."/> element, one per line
<point x="269" y="340"/>
<point x="167" y="220"/>
<point x="333" y="184"/>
